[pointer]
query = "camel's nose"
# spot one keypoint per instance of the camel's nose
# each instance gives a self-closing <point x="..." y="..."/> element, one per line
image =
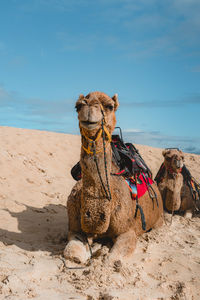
<point x="179" y="164"/>
<point x="102" y="216"/>
<point x="94" y="114"/>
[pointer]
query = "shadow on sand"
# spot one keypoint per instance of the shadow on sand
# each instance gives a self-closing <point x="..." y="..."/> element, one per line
<point x="43" y="229"/>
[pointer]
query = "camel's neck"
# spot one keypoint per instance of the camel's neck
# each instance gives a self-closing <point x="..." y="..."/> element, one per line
<point x="173" y="191"/>
<point x="95" y="205"/>
<point x="97" y="163"/>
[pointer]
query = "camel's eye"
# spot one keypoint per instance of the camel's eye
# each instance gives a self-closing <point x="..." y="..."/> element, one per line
<point x="109" y="107"/>
<point x="78" y="107"/>
<point x="168" y="158"/>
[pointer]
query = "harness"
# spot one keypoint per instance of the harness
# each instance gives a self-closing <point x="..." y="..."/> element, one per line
<point x="91" y="142"/>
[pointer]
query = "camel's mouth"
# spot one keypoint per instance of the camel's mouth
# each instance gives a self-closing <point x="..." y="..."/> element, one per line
<point x="89" y="125"/>
<point x="178" y="164"/>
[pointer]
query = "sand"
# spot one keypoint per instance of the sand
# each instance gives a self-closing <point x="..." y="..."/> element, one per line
<point x="35" y="181"/>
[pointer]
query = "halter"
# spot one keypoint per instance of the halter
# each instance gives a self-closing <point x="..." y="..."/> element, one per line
<point x="92" y="142"/>
<point x="172" y="171"/>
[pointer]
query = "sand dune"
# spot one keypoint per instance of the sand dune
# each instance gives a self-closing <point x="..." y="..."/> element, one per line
<point x="35" y="181"/>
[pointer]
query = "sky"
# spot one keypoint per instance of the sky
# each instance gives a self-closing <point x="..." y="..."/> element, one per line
<point x="146" y="51"/>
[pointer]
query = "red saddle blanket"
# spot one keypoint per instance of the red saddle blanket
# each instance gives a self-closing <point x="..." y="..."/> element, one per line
<point x="138" y="187"/>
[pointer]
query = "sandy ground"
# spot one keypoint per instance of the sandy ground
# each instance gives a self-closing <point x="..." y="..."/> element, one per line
<point x="34" y="183"/>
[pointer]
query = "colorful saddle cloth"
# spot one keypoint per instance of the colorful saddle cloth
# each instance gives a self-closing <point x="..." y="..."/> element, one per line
<point x="139" y="188"/>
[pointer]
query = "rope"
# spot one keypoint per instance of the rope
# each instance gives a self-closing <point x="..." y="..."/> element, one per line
<point x="140" y="209"/>
<point x="105" y="161"/>
<point x="108" y="196"/>
<point x="152" y="193"/>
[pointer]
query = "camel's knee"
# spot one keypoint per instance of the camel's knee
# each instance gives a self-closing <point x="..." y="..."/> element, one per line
<point x="124" y="246"/>
<point x="76" y="250"/>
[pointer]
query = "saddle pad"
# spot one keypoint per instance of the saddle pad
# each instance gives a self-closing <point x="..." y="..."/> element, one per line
<point x="141" y="187"/>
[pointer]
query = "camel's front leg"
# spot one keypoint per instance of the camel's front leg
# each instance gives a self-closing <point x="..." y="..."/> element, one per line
<point x="124" y="246"/>
<point x="77" y="248"/>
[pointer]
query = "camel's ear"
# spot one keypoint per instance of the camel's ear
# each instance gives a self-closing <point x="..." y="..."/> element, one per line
<point x="78" y="102"/>
<point x="165" y="152"/>
<point x="81" y="96"/>
<point x="182" y="155"/>
<point x="116" y="102"/>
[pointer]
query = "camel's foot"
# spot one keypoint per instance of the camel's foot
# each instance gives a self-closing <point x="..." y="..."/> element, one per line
<point x="77" y="251"/>
<point x="123" y="247"/>
<point x="188" y="214"/>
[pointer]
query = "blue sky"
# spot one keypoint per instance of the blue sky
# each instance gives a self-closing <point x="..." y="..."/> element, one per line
<point x="147" y="51"/>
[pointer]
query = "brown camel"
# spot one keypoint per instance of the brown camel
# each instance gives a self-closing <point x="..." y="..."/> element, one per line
<point x="175" y="192"/>
<point x="99" y="212"/>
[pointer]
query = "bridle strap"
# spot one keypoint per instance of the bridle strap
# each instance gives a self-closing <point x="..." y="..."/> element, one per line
<point x="102" y="131"/>
<point x="91" y="142"/>
<point x="171" y="171"/>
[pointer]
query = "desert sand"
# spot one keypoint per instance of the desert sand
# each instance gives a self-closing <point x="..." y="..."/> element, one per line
<point x="35" y="181"/>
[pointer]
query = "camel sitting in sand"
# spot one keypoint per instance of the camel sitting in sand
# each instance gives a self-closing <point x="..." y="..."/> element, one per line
<point x="100" y="205"/>
<point x="174" y="190"/>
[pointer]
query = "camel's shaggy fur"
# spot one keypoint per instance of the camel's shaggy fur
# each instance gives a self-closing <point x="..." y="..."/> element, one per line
<point x="175" y="192"/>
<point x="90" y="213"/>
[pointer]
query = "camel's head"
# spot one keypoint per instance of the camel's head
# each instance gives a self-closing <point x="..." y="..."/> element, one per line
<point x="91" y="108"/>
<point x="173" y="159"/>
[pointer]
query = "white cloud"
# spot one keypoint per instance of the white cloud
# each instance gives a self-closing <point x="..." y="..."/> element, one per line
<point x="19" y="111"/>
<point x="191" y="99"/>
<point x="147" y="27"/>
<point x="156" y="28"/>
<point x="133" y="130"/>
<point x="158" y="139"/>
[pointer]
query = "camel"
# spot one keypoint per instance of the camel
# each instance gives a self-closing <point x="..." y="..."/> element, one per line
<point x="100" y="205"/>
<point x="174" y="190"/>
